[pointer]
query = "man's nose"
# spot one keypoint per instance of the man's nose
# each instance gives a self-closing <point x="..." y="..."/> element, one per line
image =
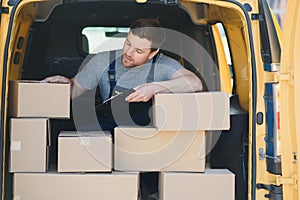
<point x="130" y="51"/>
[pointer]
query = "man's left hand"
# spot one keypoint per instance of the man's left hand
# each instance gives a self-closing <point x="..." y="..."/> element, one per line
<point x="144" y="92"/>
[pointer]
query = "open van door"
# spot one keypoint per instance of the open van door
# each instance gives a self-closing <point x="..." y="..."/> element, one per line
<point x="4" y="21"/>
<point x="290" y="97"/>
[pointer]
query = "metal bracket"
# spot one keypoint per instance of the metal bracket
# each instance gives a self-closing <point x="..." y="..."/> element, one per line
<point x="288" y="77"/>
<point x="275" y="192"/>
<point x="280" y="180"/>
<point x="262" y="155"/>
<point x="4" y="10"/>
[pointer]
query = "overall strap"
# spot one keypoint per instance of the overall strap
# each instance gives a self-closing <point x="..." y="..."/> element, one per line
<point x="150" y="77"/>
<point x="112" y="71"/>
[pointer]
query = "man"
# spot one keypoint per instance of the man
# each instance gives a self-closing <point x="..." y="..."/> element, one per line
<point x="138" y="65"/>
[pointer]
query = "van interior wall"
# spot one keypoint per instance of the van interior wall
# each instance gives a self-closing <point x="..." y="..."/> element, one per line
<point x="55" y="45"/>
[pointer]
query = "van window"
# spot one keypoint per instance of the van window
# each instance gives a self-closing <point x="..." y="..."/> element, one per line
<point x="224" y="58"/>
<point x="225" y="43"/>
<point x="96" y="39"/>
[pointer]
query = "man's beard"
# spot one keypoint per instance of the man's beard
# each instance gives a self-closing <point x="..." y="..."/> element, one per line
<point x="129" y="60"/>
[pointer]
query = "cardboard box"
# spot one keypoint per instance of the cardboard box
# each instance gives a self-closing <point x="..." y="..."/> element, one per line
<point x="147" y="149"/>
<point x="29" y="144"/>
<point x="75" y="186"/>
<point x="36" y="99"/>
<point x="191" y="111"/>
<point x="84" y="151"/>
<point x="214" y="184"/>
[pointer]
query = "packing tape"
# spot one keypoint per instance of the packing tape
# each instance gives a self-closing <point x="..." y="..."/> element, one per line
<point x="15" y="145"/>
<point x="85" y="141"/>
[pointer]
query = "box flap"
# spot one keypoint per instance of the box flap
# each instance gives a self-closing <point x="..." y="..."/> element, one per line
<point x="37" y="81"/>
<point x="84" y="134"/>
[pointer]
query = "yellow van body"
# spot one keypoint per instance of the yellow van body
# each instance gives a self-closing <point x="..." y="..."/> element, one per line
<point x="254" y="65"/>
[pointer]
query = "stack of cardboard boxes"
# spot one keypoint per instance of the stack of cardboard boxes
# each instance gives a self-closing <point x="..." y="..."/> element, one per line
<point x="175" y="147"/>
<point x="31" y="106"/>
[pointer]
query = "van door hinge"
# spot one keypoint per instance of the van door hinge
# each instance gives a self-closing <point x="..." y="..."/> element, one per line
<point x="275" y="192"/>
<point x="287" y="77"/>
<point x="4" y="10"/>
<point x="280" y="180"/>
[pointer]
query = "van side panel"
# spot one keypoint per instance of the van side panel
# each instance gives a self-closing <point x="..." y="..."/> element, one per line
<point x="289" y="80"/>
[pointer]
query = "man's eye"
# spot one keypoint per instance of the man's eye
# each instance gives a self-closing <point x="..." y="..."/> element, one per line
<point x="139" y="51"/>
<point x="127" y="43"/>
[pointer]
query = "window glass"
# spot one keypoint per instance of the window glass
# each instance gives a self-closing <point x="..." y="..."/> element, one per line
<point x="225" y="43"/>
<point x="226" y="67"/>
<point x="97" y="39"/>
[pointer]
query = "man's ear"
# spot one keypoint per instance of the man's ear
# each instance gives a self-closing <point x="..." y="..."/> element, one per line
<point x="152" y="54"/>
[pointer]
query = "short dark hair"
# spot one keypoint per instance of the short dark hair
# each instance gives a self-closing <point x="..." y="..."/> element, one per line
<point x="150" y="29"/>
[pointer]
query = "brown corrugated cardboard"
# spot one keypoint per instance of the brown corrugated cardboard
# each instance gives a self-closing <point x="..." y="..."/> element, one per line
<point x="147" y="149"/>
<point x="75" y="186"/>
<point x="84" y="151"/>
<point x="191" y="111"/>
<point x="29" y="140"/>
<point x="214" y="184"/>
<point x="36" y="99"/>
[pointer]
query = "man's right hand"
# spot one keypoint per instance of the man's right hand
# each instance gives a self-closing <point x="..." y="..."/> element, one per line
<point x="76" y="89"/>
<point x="56" y="79"/>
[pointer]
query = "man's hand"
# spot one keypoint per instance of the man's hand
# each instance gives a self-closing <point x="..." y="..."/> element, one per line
<point x="56" y="79"/>
<point x="76" y="89"/>
<point x="144" y="92"/>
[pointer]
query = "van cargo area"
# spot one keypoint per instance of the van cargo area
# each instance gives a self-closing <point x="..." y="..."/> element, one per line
<point x="56" y="38"/>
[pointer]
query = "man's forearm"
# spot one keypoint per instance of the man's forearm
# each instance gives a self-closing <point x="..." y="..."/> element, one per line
<point x="188" y="83"/>
<point x="76" y="89"/>
<point x="183" y="81"/>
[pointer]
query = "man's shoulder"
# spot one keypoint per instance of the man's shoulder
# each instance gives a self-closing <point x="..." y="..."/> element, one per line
<point x="102" y="53"/>
<point x="164" y="59"/>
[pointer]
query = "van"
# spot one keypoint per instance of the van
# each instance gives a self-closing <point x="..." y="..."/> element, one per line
<point x="235" y="46"/>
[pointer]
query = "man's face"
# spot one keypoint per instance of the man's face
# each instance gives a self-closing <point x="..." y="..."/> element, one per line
<point x="136" y="51"/>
